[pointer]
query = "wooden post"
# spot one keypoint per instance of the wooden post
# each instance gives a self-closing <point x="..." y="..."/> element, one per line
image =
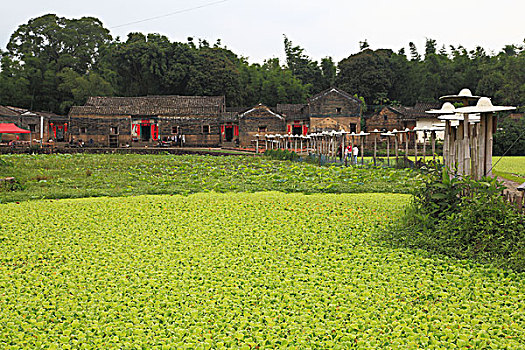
<point x="488" y="144"/>
<point x="433" y="141"/>
<point x="406" y="147"/>
<point x="446" y="145"/>
<point x="397" y="150"/>
<point x="466" y="146"/>
<point x="343" y="146"/>
<point x="481" y="141"/>
<point x="424" y="147"/>
<point x="415" y="147"/>
<point x="362" y="150"/>
<point x="375" y="148"/>
<point x="388" y="150"/>
<point x="459" y="145"/>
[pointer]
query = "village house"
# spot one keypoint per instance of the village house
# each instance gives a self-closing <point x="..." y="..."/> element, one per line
<point x="141" y="121"/>
<point x="42" y="125"/>
<point x="205" y="120"/>
<point x="401" y="118"/>
<point x="259" y="120"/>
<point x="334" y="109"/>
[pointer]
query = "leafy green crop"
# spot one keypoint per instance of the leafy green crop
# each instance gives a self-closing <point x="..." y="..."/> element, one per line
<point x="239" y="270"/>
<point x="79" y="175"/>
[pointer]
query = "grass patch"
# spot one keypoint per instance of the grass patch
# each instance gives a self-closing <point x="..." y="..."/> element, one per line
<point x="511" y="177"/>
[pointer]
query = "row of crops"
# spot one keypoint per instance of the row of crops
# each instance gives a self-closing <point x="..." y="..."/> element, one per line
<point x="239" y="270"/>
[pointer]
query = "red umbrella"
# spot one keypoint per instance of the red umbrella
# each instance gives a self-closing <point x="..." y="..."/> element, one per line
<point x="10" y="128"/>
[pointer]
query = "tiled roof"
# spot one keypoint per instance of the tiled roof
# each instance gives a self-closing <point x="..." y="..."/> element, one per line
<point x="291" y="109"/>
<point x="152" y="105"/>
<point x="334" y="90"/>
<point x="8" y="111"/>
<point x="17" y="111"/>
<point x="418" y="111"/>
<point x="261" y="108"/>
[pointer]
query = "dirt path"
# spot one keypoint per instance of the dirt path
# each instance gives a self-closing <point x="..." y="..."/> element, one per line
<point x="511" y="185"/>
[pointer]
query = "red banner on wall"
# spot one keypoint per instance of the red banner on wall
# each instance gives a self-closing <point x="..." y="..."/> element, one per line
<point x="236" y="130"/>
<point x="154" y="132"/>
<point x="305" y="129"/>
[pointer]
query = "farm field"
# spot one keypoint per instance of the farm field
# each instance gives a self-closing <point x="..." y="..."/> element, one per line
<point x="90" y="175"/>
<point x="512" y="168"/>
<point x="239" y="270"/>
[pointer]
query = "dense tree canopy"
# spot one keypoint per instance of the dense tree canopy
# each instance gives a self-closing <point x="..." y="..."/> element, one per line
<point x="52" y="63"/>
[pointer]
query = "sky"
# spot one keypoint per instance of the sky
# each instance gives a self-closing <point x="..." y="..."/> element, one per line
<point x="254" y="29"/>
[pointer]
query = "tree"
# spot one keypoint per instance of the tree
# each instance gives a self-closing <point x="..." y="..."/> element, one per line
<point x="79" y="87"/>
<point x="509" y="137"/>
<point x="430" y="47"/>
<point x="367" y="73"/>
<point x="329" y="71"/>
<point x="363" y="45"/>
<point x="302" y="67"/>
<point x="39" y="50"/>
<point x="414" y="55"/>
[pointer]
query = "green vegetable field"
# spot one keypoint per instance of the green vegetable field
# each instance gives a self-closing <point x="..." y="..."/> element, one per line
<point x="239" y="270"/>
<point x="95" y="175"/>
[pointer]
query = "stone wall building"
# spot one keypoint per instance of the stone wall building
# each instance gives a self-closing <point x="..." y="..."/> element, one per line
<point x="334" y="109"/>
<point x="114" y="121"/>
<point x="205" y="120"/>
<point x="401" y="118"/>
<point x="259" y="120"/>
<point x="42" y="125"/>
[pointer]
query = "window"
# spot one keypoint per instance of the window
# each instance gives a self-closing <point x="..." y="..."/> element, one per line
<point x="32" y="127"/>
<point x="353" y="127"/>
<point x="113" y="130"/>
<point x="338" y="109"/>
<point x="262" y="129"/>
<point x="174" y="129"/>
<point x="385" y="117"/>
<point x="82" y="130"/>
<point x="205" y="129"/>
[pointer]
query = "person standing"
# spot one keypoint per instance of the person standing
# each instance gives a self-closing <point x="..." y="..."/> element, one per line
<point x="348" y="154"/>
<point x="355" y="152"/>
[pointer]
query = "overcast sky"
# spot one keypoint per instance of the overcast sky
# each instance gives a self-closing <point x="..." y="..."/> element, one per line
<point x="255" y="29"/>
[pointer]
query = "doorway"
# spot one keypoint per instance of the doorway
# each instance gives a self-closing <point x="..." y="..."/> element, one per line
<point x="145" y="132"/>
<point x="228" y="133"/>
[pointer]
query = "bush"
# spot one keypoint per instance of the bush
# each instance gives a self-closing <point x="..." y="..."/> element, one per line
<point x="465" y="219"/>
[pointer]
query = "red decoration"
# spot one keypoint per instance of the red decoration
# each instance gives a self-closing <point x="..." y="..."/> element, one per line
<point x="236" y="130"/>
<point x="155" y="132"/>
